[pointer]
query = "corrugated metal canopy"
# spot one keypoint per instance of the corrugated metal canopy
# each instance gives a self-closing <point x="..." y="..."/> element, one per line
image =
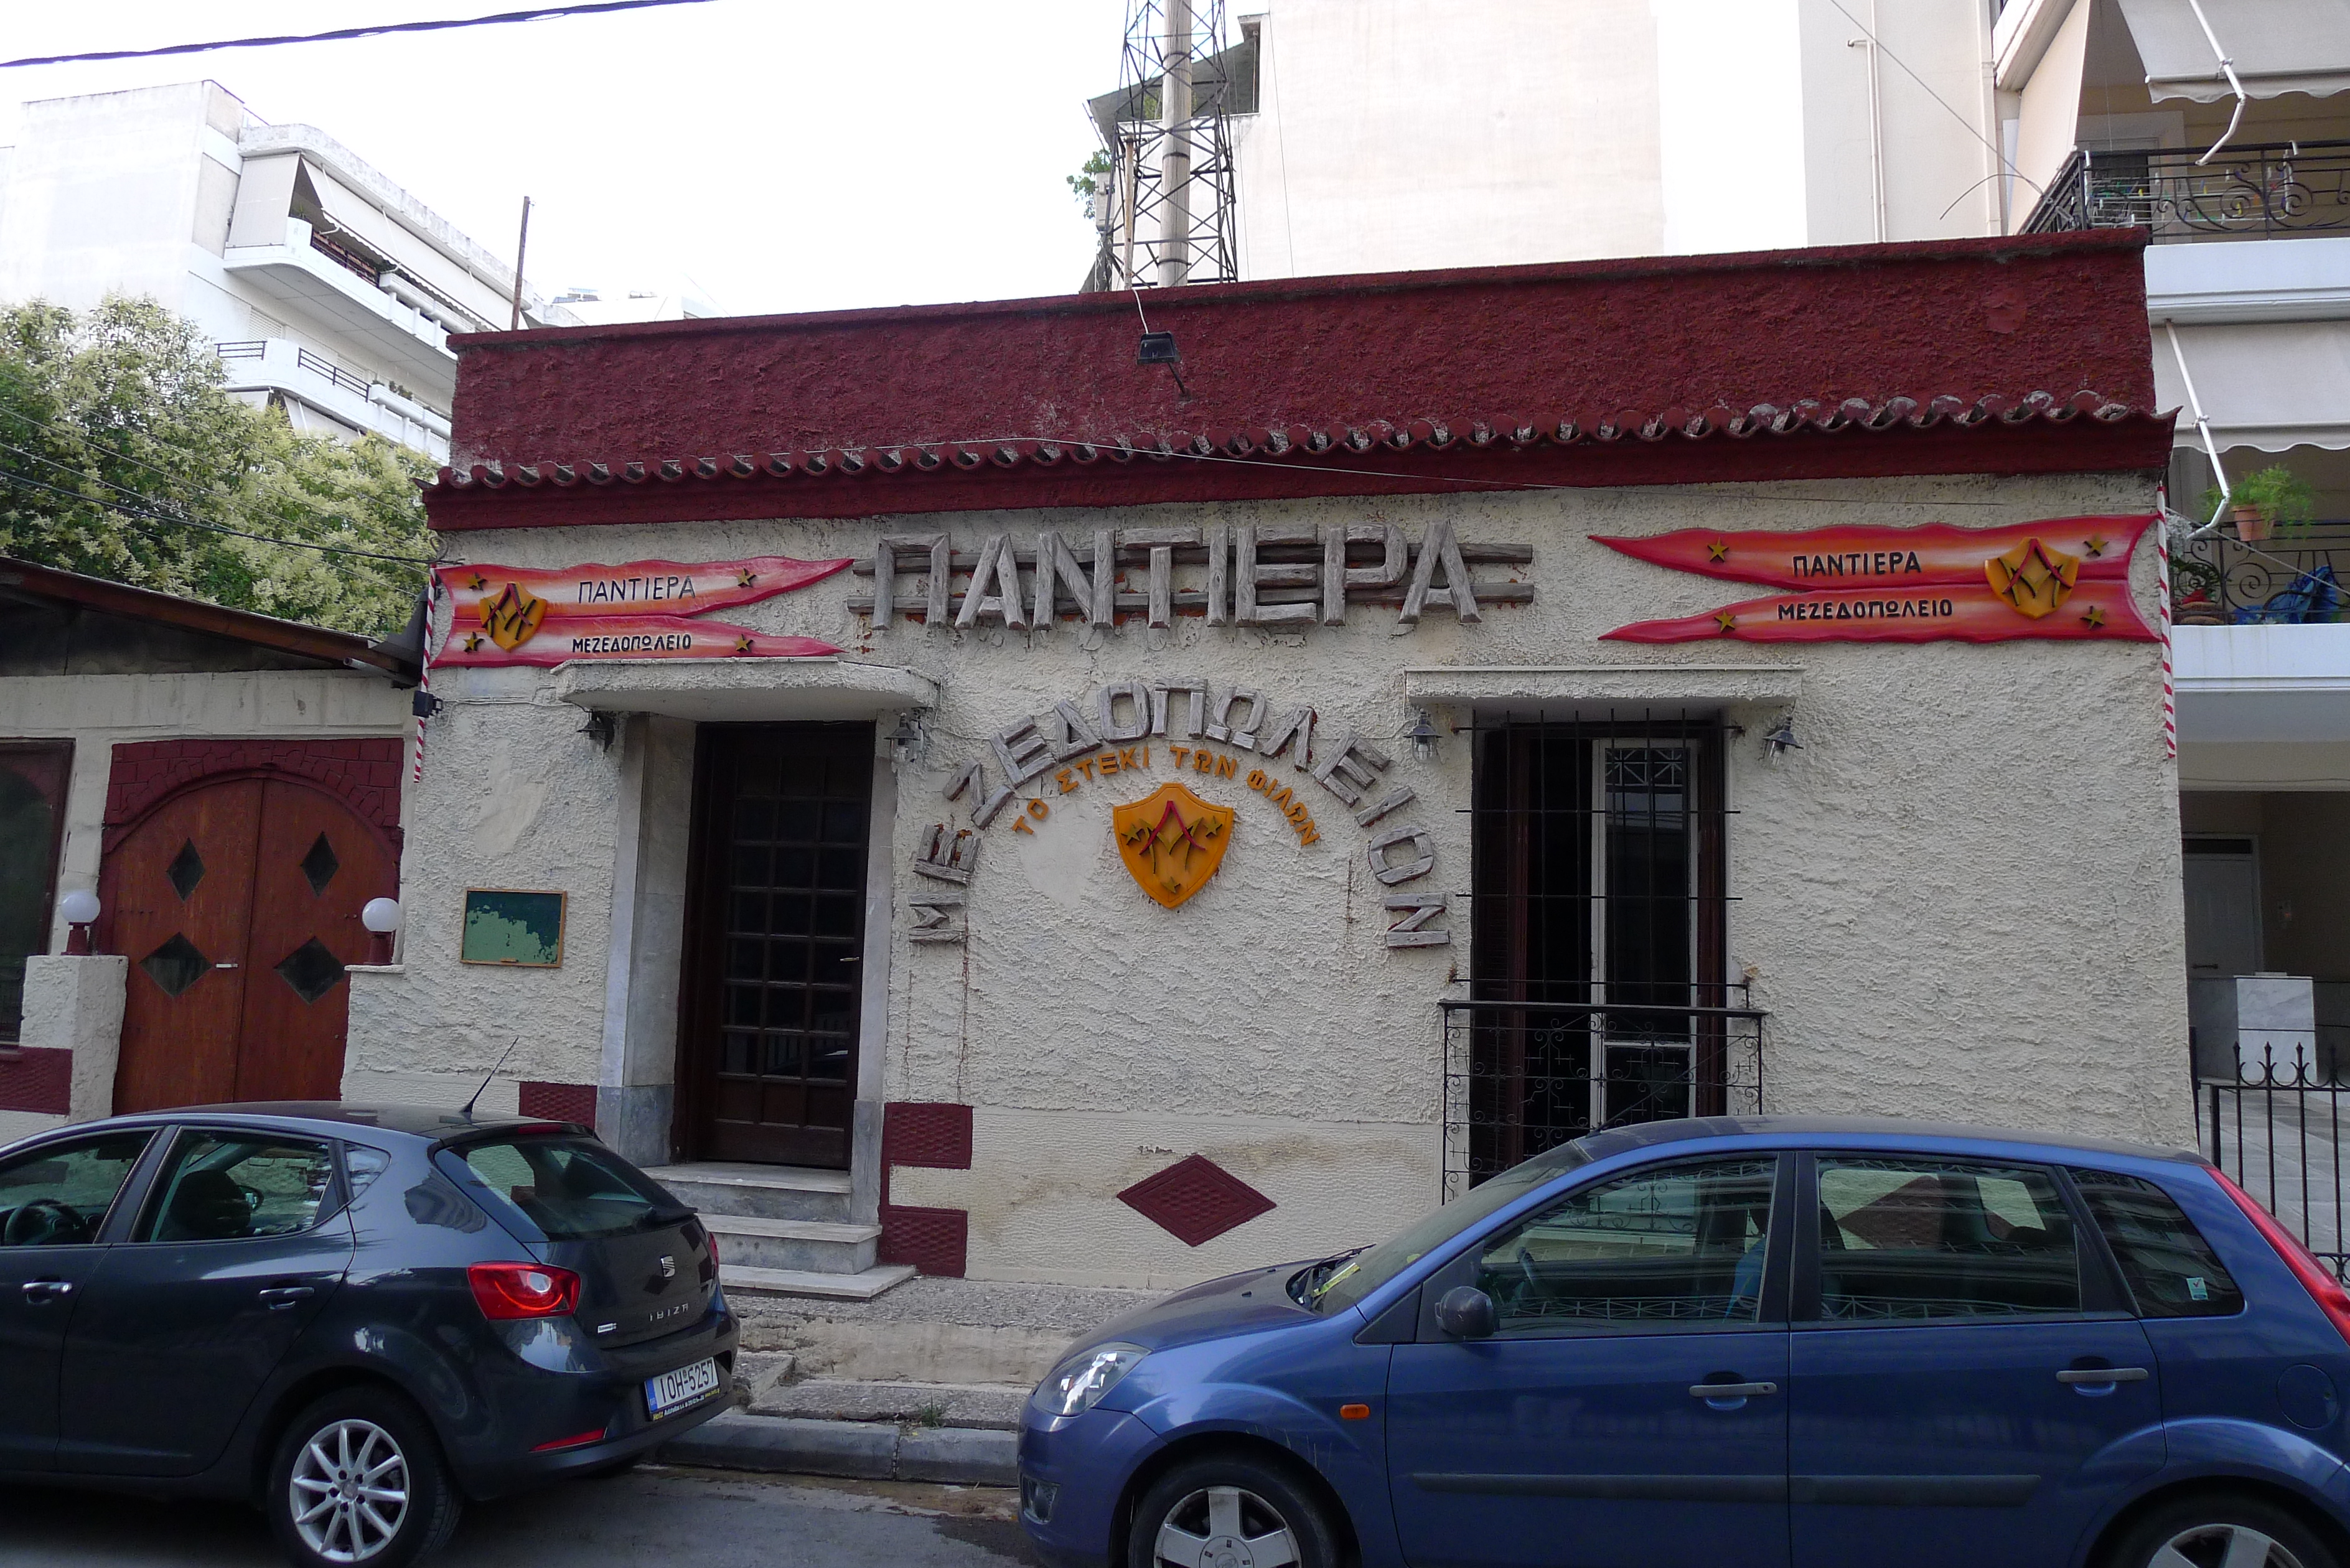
<point x="2277" y="45"/>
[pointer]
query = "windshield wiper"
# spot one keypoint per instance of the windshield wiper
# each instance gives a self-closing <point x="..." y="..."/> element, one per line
<point x="1309" y="1283"/>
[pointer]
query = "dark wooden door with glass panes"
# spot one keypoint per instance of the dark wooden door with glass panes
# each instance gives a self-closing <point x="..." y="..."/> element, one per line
<point x="238" y="903"/>
<point x="777" y="939"/>
<point x="1598" y="931"/>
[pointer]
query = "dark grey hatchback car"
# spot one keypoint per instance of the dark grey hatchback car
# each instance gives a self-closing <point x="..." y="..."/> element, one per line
<point x="355" y="1316"/>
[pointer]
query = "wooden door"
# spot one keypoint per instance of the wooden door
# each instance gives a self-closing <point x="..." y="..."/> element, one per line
<point x="237" y="904"/>
<point x="777" y="943"/>
<point x="316" y="868"/>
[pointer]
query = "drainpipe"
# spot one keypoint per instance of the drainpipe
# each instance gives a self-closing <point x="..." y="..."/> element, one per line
<point x="2202" y="427"/>
<point x="2227" y="67"/>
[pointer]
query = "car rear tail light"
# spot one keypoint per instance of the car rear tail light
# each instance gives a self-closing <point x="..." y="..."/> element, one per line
<point x="523" y="1290"/>
<point x="2315" y="1277"/>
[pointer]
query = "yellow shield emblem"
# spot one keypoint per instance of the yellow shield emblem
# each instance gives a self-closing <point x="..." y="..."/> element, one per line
<point x="2032" y="577"/>
<point x="512" y="617"/>
<point x="1172" y="841"/>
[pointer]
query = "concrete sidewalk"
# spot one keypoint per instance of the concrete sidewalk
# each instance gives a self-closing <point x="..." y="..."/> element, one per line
<point x="864" y="1451"/>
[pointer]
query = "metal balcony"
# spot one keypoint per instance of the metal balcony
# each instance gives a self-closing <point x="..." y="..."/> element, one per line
<point x="2251" y="192"/>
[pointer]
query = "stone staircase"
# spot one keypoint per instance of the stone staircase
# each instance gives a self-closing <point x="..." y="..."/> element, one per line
<point x="783" y="1231"/>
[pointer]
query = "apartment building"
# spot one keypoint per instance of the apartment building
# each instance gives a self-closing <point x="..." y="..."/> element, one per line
<point x="329" y="290"/>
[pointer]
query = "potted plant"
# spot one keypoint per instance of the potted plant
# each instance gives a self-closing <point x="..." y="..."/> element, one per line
<point x="2263" y="501"/>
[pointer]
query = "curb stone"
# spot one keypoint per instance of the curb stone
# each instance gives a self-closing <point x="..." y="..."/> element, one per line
<point x="863" y="1450"/>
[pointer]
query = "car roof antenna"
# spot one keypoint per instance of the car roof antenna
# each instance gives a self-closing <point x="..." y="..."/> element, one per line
<point x="492" y="1073"/>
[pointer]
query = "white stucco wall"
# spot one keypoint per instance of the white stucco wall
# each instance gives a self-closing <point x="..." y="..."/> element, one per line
<point x="1961" y="898"/>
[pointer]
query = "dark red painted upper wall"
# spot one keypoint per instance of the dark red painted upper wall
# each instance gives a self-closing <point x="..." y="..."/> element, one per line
<point x="1586" y="344"/>
<point x="2057" y="314"/>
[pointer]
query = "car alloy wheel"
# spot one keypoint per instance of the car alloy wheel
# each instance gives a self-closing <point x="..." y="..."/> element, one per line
<point x="349" y="1491"/>
<point x="2223" y="1546"/>
<point x="1226" y="1526"/>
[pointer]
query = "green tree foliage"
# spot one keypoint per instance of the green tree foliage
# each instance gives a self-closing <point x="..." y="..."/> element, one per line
<point x="121" y="457"/>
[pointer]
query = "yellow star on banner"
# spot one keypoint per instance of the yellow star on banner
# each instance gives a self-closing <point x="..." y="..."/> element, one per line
<point x="2094" y="545"/>
<point x="1727" y="621"/>
<point x="2096" y="619"/>
<point x="745" y="578"/>
<point x="477" y="582"/>
<point x="1717" y="550"/>
<point x="474" y="643"/>
<point x="742" y="645"/>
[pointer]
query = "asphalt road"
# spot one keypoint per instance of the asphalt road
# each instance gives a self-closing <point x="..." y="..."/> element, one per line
<point x="709" y="1519"/>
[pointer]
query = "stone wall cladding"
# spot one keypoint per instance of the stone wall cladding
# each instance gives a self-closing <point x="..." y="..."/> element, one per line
<point x="933" y="1135"/>
<point x="1960" y="899"/>
<point x="1195" y="1200"/>
<point x="935" y="1241"/>
<point x="36" y="1078"/>
<point x="363" y="772"/>
<point x="930" y="1136"/>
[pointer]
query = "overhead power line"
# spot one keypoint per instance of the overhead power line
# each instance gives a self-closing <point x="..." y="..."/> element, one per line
<point x="139" y="515"/>
<point x="536" y="13"/>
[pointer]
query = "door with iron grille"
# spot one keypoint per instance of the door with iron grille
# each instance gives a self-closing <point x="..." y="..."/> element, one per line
<point x="776" y="939"/>
<point x="1599" y="933"/>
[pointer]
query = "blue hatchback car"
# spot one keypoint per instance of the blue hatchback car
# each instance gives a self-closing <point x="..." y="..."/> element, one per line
<point x="1758" y="1343"/>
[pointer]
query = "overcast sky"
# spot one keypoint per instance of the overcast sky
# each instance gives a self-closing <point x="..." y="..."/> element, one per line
<point x="782" y="154"/>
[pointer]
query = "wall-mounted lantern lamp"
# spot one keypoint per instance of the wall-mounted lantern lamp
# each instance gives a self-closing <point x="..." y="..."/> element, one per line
<point x="1781" y="740"/>
<point x="907" y="741"/>
<point x="80" y="910"/>
<point x="1425" y="735"/>
<point x="381" y="918"/>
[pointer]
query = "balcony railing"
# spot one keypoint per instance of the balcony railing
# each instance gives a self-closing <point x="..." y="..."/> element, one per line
<point x="2222" y="581"/>
<point x="2278" y="1128"/>
<point x="2264" y="191"/>
<point x="1520" y="1076"/>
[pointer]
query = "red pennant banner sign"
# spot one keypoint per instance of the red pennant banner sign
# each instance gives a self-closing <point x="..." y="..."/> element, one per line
<point x="628" y="637"/>
<point x="643" y="609"/>
<point x="2063" y="578"/>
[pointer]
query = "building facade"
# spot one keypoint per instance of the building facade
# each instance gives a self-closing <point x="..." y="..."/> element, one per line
<point x="1105" y="829"/>
<point x="228" y="787"/>
<point x="328" y="289"/>
<point x="2241" y="174"/>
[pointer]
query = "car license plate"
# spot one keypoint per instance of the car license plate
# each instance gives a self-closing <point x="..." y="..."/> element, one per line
<point x="673" y="1391"/>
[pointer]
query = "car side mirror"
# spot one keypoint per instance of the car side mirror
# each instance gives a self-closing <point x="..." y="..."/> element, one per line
<point x="1464" y="1312"/>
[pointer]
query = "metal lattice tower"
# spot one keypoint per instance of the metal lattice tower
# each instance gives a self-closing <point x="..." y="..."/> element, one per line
<point x="1165" y="210"/>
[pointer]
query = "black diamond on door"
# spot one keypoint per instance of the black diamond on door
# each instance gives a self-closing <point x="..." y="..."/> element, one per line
<point x="320" y="865"/>
<point x="311" y="969"/>
<point x="176" y="965"/>
<point x="186" y="869"/>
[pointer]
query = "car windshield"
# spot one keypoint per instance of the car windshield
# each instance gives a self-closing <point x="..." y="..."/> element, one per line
<point x="1350" y="1281"/>
<point x="571" y="1189"/>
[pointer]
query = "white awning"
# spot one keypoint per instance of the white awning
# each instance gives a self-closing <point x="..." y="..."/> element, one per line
<point x="2278" y="46"/>
<point x="2273" y="385"/>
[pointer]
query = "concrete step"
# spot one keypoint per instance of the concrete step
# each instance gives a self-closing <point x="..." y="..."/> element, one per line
<point x="994" y="1406"/>
<point x="813" y="1246"/>
<point x="762" y="1191"/>
<point x="755" y="1283"/>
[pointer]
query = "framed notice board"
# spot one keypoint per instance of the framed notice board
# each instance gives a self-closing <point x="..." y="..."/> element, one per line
<point x="517" y="929"/>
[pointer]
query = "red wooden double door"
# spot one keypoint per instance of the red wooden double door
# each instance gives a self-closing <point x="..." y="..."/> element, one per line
<point x="238" y="903"/>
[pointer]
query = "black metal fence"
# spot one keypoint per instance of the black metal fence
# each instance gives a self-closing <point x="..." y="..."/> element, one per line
<point x="1523" y="1076"/>
<point x="2277" y="1130"/>
<point x="2274" y="583"/>
<point x="2253" y="191"/>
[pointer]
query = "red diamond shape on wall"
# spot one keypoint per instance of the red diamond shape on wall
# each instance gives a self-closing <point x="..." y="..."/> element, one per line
<point x="1195" y="1199"/>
